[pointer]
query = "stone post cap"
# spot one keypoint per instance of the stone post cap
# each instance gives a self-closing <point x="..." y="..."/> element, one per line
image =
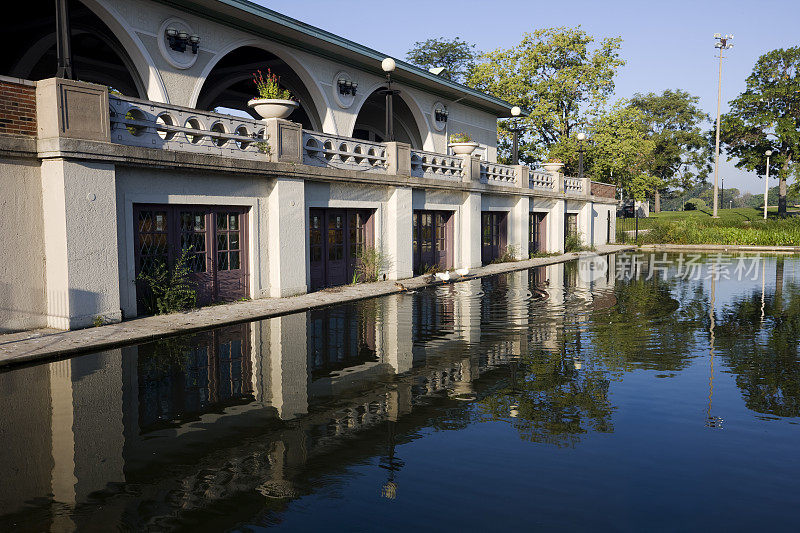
<point x="70" y="108"/>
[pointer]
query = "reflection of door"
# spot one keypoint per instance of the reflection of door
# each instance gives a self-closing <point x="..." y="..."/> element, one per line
<point x="337" y="238"/>
<point x="493" y="235"/>
<point x="538" y="233"/>
<point x="340" y="337"/>
<point x="214" y="240"/>
<point x="193" y="374"/>
<point x="432" y="240"/>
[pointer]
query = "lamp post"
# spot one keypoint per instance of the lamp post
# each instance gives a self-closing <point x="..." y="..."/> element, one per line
<point x="722" y="193"/>
<point x="581" y="139"/>
<point x="388" y="65"/>
<point x="63" y="41"/>
<point x="766" y="183"/>
<point x="515" y="112"/>
<point x="721" y="44"/>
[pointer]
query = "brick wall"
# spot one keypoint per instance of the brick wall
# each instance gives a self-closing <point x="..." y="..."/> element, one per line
<point x="603" y="190"/>
<point x="17" y="108"/>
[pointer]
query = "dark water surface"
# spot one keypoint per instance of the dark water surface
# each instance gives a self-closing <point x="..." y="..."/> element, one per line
<point x="556" y="398"/>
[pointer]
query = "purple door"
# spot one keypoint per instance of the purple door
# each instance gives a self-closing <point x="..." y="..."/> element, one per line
<point x="336" y="240"/>
<point x="493" y="235"/>
<point x="537" y="237"/>
<point x="432" y="240"/>
<point x="336" y="264"/>
<point x="316" y="229"/>
<point x="212" y="237"/>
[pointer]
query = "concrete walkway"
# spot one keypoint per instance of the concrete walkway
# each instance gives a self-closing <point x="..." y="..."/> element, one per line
<point x="711" y="248"/>
<point x="25" y="347"/>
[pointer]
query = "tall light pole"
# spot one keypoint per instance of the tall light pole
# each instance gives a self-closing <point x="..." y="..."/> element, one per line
<point x="721" y="44"/>
<point x="766" y="183"/>
<point x="388" y="65"/>
<point x="515" y="112"/>
<point x="581" y="139"/>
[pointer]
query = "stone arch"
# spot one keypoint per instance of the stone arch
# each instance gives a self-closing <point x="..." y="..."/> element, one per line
<point x="314" y="110"/>
<point x="104" y="49"/>
<point x="370" y="115"/>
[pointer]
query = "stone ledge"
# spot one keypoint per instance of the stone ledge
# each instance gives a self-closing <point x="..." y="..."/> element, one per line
<point x="43" y="345"/>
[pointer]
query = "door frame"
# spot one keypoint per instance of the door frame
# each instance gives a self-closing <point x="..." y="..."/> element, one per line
<point x="211" y="211"/>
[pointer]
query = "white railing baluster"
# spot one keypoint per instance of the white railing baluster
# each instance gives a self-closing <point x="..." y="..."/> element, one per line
<point x="436" y="166"/>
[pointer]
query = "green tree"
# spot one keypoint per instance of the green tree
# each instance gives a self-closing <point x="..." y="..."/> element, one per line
<point x="680" y="154"/>
<point x="559" y="76"/>
<point x="766" y="116"/>
<point x="617" y="150"/>
<point x="455" y="55"/>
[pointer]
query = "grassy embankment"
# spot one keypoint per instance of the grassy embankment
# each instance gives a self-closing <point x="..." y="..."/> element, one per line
<point x="744" y="225"/>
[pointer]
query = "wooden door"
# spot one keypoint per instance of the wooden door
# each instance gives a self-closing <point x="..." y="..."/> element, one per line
<point x="193" y="232"/>
<point x="336" y="256"/>
<point x="494" y="231"/>
<point x="230" y="258"/>
<point x="316" y="243"/>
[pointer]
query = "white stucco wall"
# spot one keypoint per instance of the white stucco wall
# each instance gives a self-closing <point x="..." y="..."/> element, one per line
<point x="22" y="276"/>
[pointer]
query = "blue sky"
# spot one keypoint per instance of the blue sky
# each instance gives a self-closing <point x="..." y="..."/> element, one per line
<point x="666" y="44"/>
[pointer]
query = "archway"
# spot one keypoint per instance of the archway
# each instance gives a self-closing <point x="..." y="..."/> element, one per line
<point x="370" y="124"/>
<point x="229" y="85"/>
<point x="98" y="56"/>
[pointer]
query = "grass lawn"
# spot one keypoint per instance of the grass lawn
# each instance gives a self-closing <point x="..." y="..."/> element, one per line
<point x="742" y="225"/>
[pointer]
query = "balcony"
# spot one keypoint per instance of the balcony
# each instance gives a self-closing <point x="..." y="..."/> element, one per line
<point x="147" y="124"/>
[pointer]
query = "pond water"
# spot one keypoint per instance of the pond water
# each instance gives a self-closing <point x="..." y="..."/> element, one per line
<point x="614" y="393"/>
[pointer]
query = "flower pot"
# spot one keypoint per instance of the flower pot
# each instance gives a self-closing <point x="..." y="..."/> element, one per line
<point x="552" y="167"/>
<point x="273" y="107"/>
<point x="463" y="148"/>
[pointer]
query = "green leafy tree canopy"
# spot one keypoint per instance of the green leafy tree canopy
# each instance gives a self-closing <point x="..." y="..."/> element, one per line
<point x="766" y="116"/>
<point x="558" y="75"/>
<point x="455" y="55"/>
<point x="673" y="120"/>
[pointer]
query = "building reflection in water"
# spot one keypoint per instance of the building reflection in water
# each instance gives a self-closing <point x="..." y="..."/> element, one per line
<point x="184" y="422"/>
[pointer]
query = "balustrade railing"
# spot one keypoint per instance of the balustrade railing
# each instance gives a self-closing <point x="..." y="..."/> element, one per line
<point x="149" y="124"/>
<point x="436" y="166"/>
<point x="542" y="180"/>
<point x="322" y="150"/>
<point x="497" y="174"/>
<point x="573" y="185"/>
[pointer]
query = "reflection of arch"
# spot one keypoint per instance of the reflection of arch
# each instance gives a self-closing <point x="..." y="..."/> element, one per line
<point x="105" y="52"/>
<point x="226" y="81"/>
<point x="410" y="125"/>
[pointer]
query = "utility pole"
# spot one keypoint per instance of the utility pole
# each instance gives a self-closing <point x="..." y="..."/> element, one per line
<point x="722" y="44"/>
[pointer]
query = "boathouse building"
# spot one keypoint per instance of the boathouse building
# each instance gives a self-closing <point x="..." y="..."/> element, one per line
<point x="125" y="137"/>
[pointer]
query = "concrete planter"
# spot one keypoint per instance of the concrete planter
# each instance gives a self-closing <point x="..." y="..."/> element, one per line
<point x="273" y="108"/>
<point x="552" y="167"/>
<point x="463" y="148"/>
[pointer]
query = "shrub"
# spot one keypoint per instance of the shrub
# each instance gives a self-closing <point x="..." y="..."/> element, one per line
<point x="509" y="254"/>
<point x="460" y="137"/>
<point x="169" y="291"/>
<point x="572" y="243"/>
<point x="269" y="87"/>
<point x="369" y="263"/>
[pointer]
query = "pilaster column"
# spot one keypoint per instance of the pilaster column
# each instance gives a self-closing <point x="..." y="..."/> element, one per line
<point x="470" y="231"/>
<point x="519" y="226"/>
<point x="397" y="236"/>
<point x="80" y="241"/>
<point x="287" y="238"/>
